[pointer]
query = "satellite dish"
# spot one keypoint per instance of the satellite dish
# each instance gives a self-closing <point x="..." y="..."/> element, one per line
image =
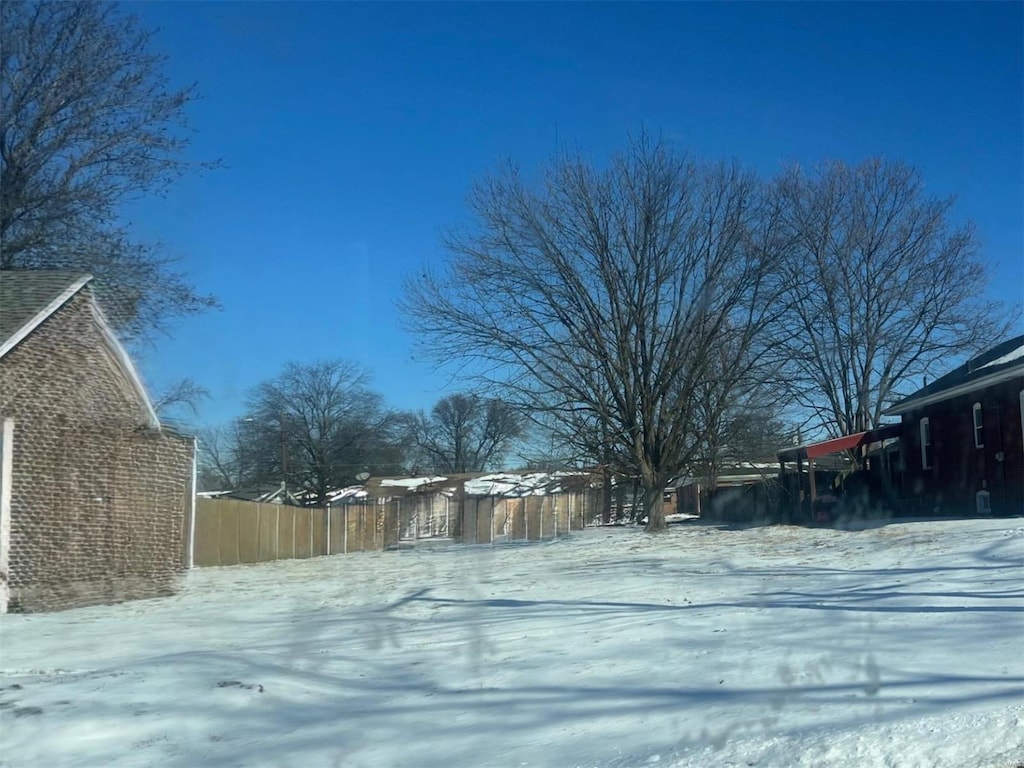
<point x="362" y="477"/>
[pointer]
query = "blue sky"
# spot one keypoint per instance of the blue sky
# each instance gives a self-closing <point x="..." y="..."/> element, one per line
<point x="350" y="134"/>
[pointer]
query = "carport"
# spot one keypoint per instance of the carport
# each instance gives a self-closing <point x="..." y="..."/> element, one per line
<point x="812" y="451"/>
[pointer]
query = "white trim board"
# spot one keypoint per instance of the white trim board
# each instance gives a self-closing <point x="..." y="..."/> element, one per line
<point x="966" y="388"/>
<point x="44" y="313"/>
<point x="124" y="360"/>
<point x="120" y="354"/>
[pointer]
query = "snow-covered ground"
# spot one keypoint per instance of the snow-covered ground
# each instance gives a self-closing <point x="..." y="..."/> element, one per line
<point x="901" y="645"/>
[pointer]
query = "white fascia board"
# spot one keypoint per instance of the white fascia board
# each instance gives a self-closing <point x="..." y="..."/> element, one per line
<point x="44" y="313"/>
<point x="962" y="389"/>
<point x="125" y="361"/>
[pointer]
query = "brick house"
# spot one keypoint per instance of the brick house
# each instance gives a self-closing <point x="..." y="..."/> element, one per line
<point x="963" y="437"/>
<point x="96" y="495"/>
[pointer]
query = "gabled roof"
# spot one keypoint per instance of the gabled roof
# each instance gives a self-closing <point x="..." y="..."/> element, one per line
<point x="29" y="296"/>
<point x="1001" y="363"/>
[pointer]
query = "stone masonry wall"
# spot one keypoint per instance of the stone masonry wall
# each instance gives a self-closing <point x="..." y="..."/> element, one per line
<point x="99" y="499"/>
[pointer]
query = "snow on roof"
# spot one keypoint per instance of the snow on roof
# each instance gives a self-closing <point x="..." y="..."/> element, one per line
<point x="1009" y="357"/>
<point x="769" y="465"/>
<point x="351" y="492"/>
<point x="410" y="482"/>
<point x="507" y="484"/>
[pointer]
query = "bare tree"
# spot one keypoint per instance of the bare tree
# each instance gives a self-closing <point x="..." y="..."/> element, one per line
<point x="465" y="433"/>
<point x="222" y="458"/>
<point x="242" y="454"/>
<point x="604" y="296"/>
<point x="88" y="122"/>
<point x="884" y="289"/>
<point x="748" y="428"/>
<point x="181" y="394"/>
<point x="317" y="426"/>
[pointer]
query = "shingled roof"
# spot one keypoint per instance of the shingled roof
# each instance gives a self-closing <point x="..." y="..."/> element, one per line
<point x="28" y="297"/>
<point x="1000" y="363"/>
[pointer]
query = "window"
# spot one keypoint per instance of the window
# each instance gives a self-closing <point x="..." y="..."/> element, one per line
<point x="979" y="427"/>
<point x="926" y="444"/>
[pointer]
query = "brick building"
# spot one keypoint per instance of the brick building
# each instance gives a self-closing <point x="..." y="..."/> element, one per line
<point x="963" y="437"/>
<point x="96" y="495"/>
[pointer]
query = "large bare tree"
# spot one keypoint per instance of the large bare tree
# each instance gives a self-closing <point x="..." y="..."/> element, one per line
<point x="89" y="122"/>
<point x="607" y="295"/>
<point x="318" y="426"/>
<point x="885" y="289"/>
<point x="465" y="432"/>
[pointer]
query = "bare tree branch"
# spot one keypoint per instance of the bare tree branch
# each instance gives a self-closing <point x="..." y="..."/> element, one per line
<point x="608" y="297"/>
<point x="465" y="433"/>
<point x="184" y="393"/>
<point x="88" y="122"/>
<point x="317" y="426"/>
<point x="219" y="468"/>
<point x="884" y="289"/>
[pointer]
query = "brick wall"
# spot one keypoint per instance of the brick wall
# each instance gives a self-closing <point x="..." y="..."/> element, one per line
<point x="99" y="499"/>
<point x="958" y="468"/>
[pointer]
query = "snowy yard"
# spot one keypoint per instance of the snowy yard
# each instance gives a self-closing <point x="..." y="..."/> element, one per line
<point x="901" y="645"/>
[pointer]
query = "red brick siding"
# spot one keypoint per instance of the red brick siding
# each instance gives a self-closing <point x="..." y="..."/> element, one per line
<point x="959" y="469"/>
<point x="98" y="498"/>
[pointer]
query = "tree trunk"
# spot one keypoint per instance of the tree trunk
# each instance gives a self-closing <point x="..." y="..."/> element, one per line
<point x="654" y="508"/>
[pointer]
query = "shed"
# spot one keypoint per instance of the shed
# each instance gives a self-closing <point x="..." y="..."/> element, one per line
<point x="96" y="497"/>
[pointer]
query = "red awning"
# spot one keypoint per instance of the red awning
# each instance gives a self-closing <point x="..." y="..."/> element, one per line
<point x="837" y="444"/>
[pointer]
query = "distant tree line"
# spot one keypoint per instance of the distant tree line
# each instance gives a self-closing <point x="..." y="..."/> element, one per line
<point x="318" y="427"/>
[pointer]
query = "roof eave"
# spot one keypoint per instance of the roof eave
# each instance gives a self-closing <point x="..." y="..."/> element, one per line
<point x="18" y="336"/>
<point x="913" y="403"/>
<point x="125" y="361"/>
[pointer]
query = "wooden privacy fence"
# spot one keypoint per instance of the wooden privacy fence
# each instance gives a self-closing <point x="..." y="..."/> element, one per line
<point x="492" y="519"/>
<point x="230" y="532"/>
